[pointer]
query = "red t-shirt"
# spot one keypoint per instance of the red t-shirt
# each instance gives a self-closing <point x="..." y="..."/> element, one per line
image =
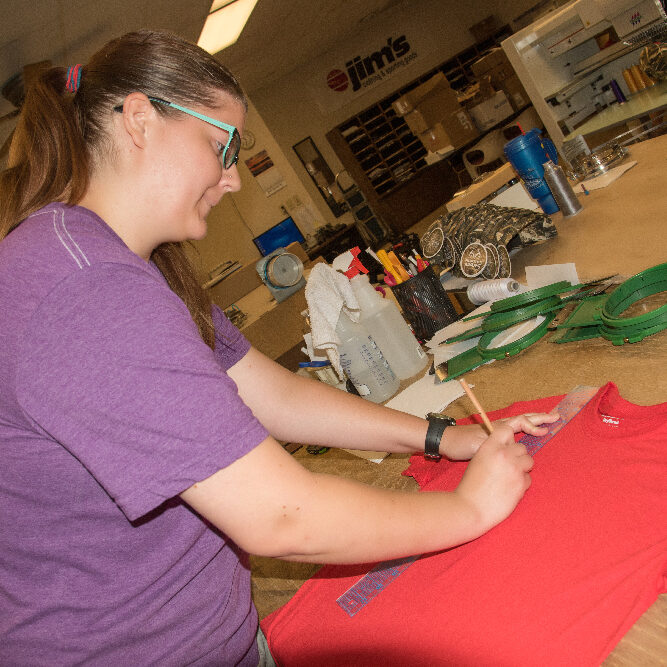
<point x="557" y="583"/>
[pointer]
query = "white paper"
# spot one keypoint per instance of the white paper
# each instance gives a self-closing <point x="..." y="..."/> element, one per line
<point x="447" y="352"/>
<point x="458" y="327"/>
<point x="515" y="332"/>
<point x="603" y="180"/>
<point x="516" y="197"/>
<point x="539" y="276"/>
<point x="424" y="396"/>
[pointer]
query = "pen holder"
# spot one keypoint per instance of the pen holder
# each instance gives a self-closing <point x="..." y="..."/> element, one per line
<point x="425" y="304"/>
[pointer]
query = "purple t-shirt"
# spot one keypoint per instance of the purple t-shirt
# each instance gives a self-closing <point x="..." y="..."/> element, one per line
<point x="110" y="406"/>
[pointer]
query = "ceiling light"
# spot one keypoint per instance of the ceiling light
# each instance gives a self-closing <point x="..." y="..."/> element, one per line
<point x="225" y="23"/>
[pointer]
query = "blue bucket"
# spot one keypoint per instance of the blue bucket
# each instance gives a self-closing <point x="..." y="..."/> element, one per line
<point x="527" y="153"/>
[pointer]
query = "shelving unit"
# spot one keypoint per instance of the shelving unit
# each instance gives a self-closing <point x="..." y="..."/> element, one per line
<point x="372" y="229"/>
<point x="384" y="146"/>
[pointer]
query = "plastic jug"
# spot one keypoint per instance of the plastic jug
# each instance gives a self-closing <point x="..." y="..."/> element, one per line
<point x="364" y="363"/>
<point x="383" y="320"/>
<point x="527" y="153"/>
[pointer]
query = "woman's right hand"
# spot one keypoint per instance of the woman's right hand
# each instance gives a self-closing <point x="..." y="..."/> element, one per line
<point x="497" y="476"/>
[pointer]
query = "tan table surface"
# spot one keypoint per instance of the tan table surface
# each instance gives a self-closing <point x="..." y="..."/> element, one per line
<point x="620" y="230"/>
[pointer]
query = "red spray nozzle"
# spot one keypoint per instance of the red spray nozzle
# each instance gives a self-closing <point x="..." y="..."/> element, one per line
<point x="356" y="267"/>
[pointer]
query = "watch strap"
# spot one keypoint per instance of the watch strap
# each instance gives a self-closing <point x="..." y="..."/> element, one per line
<point x="436" y="427"/>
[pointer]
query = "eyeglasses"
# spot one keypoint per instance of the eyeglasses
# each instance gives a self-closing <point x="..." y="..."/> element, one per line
<point x="230" y="153"/>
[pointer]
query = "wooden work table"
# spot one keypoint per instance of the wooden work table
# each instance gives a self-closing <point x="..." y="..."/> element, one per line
<point x="621" y="229"/>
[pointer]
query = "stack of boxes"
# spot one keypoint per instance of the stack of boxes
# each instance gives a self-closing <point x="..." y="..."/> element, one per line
<point x="432" y="111"/>
<point x="445" y="120"/>
<point x="501" y="92"/>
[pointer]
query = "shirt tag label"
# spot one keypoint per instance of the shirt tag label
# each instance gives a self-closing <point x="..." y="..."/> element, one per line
<point x="612" y="421"/>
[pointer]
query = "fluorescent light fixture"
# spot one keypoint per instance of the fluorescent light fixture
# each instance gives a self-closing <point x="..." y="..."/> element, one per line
<point x="225" y="23"/>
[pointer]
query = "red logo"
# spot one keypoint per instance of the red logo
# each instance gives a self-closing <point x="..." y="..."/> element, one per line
<point x="337" y="80"/>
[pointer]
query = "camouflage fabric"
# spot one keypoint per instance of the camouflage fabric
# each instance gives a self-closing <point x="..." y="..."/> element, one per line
<point x="493" y="228"/>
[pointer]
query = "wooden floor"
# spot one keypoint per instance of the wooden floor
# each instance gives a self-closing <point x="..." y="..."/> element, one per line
<point x="620" y="230"/>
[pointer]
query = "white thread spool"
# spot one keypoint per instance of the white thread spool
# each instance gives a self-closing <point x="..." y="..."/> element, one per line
<point x="492" y="290"/>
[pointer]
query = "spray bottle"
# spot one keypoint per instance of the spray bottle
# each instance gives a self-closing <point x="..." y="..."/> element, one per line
<point x="383" y="321"/>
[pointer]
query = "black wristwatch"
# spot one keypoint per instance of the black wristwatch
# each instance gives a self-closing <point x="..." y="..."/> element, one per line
<point x="437" y="424"/>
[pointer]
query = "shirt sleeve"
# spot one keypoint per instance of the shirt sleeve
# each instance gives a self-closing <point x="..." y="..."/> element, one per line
<point x="114" y="370"/>
<point x="230" y="344"/>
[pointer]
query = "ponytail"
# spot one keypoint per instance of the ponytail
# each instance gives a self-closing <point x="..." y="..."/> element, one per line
<point x="47" y="160"/>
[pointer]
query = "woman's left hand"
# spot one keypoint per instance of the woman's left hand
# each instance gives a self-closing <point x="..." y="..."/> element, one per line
<point x="460" y="443"/>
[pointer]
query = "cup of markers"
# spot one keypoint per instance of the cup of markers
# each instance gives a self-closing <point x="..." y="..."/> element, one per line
<point x="419" y="293"/>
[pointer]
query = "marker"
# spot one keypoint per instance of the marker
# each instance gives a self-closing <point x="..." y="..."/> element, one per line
<point x="388" y="266"/>
<point x="399" y="268"/>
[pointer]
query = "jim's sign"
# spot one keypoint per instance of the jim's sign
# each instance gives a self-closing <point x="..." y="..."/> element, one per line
<point x="355" y="75"/>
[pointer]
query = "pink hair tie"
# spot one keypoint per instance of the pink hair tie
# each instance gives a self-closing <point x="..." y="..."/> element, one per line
<point x="73" y="78"/>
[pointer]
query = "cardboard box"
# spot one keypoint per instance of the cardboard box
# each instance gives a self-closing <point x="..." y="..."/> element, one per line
<point x="491" y="111"/>
<point x="479" y="92"/>
<point x="494" y="58"/>
<point x="409" y="101"/>
<point x="499" y="73"/>
<point x="436" y="139"/>
<point x="467" y="95"/>
<point x="484" y="28"/>
<point x="455" y="130"/>
<point x="438" y="104"/>
<point x="515" y="92"/>
<point x="460" y="127"/>
<point x="416" y="122"/>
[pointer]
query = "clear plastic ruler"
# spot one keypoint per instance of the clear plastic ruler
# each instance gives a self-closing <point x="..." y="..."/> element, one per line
<point x="376" y="580"/>
<point x="568" y="408"/>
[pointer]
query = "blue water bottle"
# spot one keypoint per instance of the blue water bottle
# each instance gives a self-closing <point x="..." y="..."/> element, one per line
<point x="527" y="153"/>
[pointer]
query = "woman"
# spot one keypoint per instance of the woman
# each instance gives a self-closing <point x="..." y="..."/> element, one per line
<point x="137" y="427"/>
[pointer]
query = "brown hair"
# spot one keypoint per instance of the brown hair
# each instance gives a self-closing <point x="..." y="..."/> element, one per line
<point x="59" y="136"/>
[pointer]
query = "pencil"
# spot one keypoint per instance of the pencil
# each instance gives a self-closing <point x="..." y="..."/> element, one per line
<point x="478" y="407"/>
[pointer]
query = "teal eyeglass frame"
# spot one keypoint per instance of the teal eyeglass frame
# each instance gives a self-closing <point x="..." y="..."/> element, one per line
<point x="233" y="140"/>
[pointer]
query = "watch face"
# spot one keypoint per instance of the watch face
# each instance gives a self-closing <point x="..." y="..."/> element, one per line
<point x="247" y="140"/>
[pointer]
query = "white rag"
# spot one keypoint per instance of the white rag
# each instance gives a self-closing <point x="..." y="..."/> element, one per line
<point x="327" y="293"/>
